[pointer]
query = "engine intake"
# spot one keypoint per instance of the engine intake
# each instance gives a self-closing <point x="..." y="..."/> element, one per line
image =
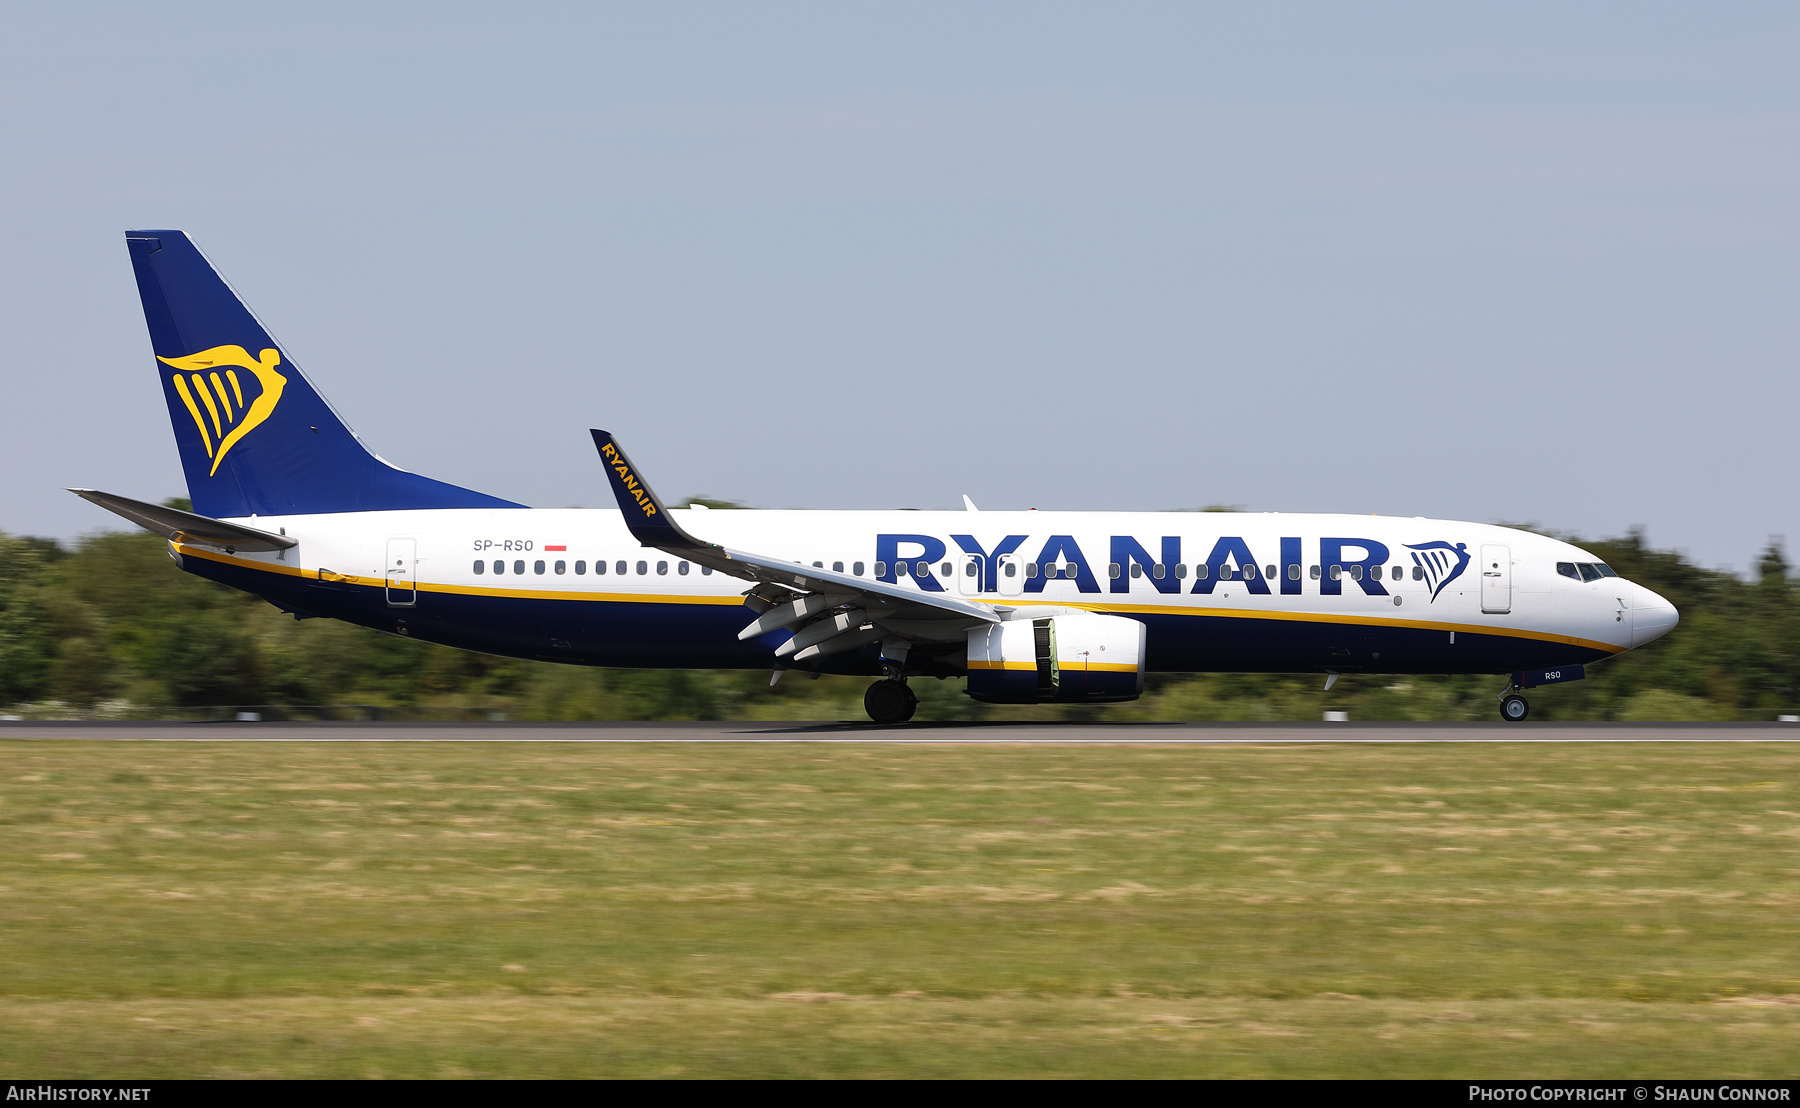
<point x="1077" y="656"/>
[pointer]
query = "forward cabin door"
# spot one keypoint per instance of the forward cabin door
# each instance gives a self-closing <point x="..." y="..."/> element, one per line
<point x="401" y="571"/>
<point x="1496" y="579"/>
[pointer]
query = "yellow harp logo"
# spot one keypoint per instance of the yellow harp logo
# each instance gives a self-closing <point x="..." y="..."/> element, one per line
<point x="227" y="417"/>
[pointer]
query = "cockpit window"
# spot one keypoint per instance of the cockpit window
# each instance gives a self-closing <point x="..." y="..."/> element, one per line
<point x="1567" y="569"/>
<point x="1605" y="570"/>
<point x="1588" y="572"/>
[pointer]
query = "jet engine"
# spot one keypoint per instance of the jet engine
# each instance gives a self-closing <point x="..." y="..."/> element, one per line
<point x="1074" y="656"/>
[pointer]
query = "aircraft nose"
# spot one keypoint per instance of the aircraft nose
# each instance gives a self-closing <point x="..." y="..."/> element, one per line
<point x="1652" y="617"/>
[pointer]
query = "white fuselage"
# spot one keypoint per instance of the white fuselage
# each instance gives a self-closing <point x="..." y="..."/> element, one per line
<point x="1218" y="590"/>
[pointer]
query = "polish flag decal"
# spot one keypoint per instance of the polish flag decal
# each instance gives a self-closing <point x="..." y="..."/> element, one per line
<point x="556" y="548"/>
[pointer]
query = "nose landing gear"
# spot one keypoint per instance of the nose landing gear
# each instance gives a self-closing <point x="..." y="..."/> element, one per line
<point x="1513" y="707"/>
<point x="890" y="701"/>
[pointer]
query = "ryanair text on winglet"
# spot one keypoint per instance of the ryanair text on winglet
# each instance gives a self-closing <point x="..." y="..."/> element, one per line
<point x="626" y="479"/>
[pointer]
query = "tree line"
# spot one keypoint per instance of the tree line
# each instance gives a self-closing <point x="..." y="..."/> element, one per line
<point x="109" y="626"/>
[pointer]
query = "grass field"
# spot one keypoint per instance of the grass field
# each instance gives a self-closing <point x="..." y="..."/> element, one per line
<point x="177" y="909"/>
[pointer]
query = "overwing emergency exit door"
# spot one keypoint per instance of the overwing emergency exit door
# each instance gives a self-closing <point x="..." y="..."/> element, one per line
<point x="1010" y="571"/>
<point x="401" y="572"/>
<point x="1496" y="579"/>
<point x="968" y="575"/>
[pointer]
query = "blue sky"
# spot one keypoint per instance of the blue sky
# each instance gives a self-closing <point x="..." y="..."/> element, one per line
<point x="1524" y="263"/>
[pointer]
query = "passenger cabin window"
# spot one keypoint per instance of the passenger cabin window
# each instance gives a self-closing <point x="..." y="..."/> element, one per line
<point x="921" y="569"/>
<point x="662" y="569"/>
<point x="1269" y="572"/>
<point x="561" y="567"/>
<point x="706" y="571"/>
<point x="499" y="566"/>
<point x="1137" y="571"/>
<point x="1396" y="573"/>
<point x="837" y="567"/>
<point x="1315" y="573"/>
<point x="1337" y="573"/>
<point x="970" y="569"/>
<point x="480" y="567"/>
<point x="1181" y="571"/>
<point x="1588" y="572"/>
<point x="681" y="568"/>
<point x="947" y="571"/>
<point x="1159" y="571"/>
<point x="643" y="568"/>
<point x="881" y="569"/>
<point x="1293" y="573"/>
<point x="1418" y="573"/>
<point x="856" y="568"/>
<point x="1567" y="569"/>
<point x="537" y="567"/>
<point x="818" y="565"/>
<point x="519" y="566"/>
<point x="599" y="569"/>
<point x="1010" y="569"/>
<point x="581" y="568"/>
<point x="1356" y="573"/>
<point x="619" y="568"/>
<point x="899" y="569"/>
<point x="1375" y="572"/>
<point x="1202" y="571"/>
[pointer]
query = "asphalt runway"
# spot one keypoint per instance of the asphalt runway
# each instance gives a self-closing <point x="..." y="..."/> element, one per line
<point x="987" y="732"/>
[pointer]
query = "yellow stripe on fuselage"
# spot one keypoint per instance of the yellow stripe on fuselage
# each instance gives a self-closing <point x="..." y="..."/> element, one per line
<point x="1065" y="667"/>
<point x="460" y="590"/>
<point x="1324" y="617"/>
<point x="735" y="600"/>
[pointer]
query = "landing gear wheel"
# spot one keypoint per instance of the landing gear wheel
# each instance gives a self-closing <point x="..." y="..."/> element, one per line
<point x="1513" y="708"/>
<point x="889" y="702"/>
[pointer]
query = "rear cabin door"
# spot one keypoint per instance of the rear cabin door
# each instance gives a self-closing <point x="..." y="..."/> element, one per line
<point x="1496" y="579"/>
<point x="401" y="570"/>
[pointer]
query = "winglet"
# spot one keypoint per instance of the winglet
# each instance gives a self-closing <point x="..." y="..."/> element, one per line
<point x="644" y="513"/>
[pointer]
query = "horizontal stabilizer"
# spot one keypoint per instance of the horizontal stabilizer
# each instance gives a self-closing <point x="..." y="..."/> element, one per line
<point x="186" y="527"/>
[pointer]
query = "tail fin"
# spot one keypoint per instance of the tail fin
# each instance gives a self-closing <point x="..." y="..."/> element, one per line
<point x="255" y="437"/>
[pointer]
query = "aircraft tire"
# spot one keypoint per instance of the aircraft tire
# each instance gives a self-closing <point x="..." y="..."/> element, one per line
<point x="889" y="701"/>
<point x="1513" y="708"/>
<point x="912" y="705"/>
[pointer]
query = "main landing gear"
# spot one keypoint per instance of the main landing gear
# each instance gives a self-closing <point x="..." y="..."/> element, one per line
<point x="890" y="701"/>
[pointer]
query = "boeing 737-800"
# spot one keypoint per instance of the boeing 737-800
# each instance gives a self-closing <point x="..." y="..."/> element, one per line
<point x="1025" y="607"/>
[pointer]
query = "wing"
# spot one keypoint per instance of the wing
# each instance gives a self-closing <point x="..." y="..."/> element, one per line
<point x="833" y="612"/>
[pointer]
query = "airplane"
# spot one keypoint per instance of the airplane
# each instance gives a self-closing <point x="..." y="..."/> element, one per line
<point x="1025" y="607"/>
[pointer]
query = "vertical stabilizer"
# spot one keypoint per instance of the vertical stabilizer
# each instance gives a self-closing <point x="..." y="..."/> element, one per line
<point x="255" y="437"/>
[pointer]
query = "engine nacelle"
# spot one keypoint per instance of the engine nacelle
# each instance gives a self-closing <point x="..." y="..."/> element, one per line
<point x="1076" y="656"/>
